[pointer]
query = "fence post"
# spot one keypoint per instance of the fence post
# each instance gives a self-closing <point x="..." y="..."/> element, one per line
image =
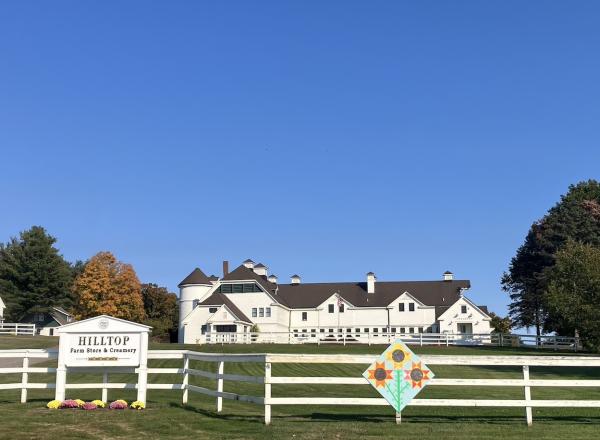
<point x="220" y="371"/>
<point x="186" y="378"/>
<point x="398" y="418"/>
<point x="104" y="388"/>
<point x="24" y="379"/>
<point x="501" y="340"/>
<point x="420" y="339"/>
<point x="447" y="342"/>
<point x="528" y="413"/>
<point x="267" y="393"/>
<point x="16" y="329"/>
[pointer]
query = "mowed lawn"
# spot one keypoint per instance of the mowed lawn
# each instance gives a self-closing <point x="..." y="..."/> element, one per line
<point x="166" y="417"/>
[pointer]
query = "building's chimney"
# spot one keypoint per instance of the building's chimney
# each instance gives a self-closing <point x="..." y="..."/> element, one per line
<point x="448" y="276"/>
<point x="295" y="279"/>
<point x="249" y="263"/>
<point x="371" y="282"/>
<point x="261" y="269"/>
<point x="272" y="279"/>
<point x="225" y="267"/>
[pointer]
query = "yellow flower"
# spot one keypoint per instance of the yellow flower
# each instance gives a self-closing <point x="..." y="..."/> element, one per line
<point x="122" y="401"/>
<point x="398" y="355"/>
<point x="138" y="405"/>
<point x="54" y="404"/>
<point x="80" y="402"/>
<point x="99" y="403"/>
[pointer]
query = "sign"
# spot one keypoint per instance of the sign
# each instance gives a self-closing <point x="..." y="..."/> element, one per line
<point x="102" y="349"/>
<point x="102" y="342"/>
<point x="398" y="375"/>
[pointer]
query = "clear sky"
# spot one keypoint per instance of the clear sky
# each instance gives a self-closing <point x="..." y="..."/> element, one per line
<point x="324" y="138"/>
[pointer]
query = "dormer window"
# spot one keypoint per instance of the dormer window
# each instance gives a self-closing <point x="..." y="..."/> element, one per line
<point x="213" y="309"/>
<point x="331" y="306"/>
<point x="463" y="309"/>
<point x="401" y="307"/>
<point x="411" y="307"/>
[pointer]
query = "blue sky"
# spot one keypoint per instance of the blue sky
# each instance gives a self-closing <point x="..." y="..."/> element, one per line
<point x="326" y="138"/>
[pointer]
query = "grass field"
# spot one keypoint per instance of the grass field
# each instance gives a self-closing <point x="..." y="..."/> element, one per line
<point x="167" y="418"/>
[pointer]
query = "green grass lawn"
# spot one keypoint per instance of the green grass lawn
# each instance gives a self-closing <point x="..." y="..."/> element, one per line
<point x="167" y="418"/>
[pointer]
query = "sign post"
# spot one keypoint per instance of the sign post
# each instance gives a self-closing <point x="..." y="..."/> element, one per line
<point x="103" y="342"/>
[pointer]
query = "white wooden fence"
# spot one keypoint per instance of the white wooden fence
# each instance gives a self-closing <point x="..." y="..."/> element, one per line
<point x="441" y="339"/>
<point x="9" y="328"/>
<point x="269" y="380"/>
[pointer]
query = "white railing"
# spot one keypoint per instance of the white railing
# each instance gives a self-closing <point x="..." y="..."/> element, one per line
<point x="268" y="380"/>
<point x="421" y="339"/>
<point x="10" y="328"/>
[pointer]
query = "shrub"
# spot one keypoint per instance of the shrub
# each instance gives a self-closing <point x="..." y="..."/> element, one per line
<point x="138" y="405"/>
<point x="54" y="404"/>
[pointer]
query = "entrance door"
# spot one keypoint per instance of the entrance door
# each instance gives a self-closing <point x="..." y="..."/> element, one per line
<point x="465" y="328"/>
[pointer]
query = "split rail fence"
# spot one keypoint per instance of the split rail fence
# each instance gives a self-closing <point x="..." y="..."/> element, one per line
<point x="268" y="380"/>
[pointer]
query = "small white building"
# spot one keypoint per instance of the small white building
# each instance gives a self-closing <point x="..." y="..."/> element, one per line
<point x="47" y="321"/>
<point x="248" y="298"/>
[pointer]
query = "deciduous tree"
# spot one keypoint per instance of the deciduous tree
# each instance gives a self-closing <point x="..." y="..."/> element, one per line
<point x="160" y="306"/>
<point x="108" y="286"/>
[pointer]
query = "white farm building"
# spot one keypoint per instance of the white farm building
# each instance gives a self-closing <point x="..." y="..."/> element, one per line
<point x="247" y="299"/>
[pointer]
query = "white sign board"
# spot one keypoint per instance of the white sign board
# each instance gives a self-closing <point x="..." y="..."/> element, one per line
<point x="102" y="349"/>
<point x="103" y="342"/>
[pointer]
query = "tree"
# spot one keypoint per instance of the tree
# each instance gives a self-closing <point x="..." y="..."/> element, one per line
<point x="160" y="306"/>
<point x="574" y="291"/>
<point x="499" y="324"/>
<point x="33" y="274"/>
<point x="108" y="286"/>
<point x="575" y="217"/>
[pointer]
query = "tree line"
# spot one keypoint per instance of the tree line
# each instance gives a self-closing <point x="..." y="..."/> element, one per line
<point x="34" y="277"/>
<point x="554" y="278"/>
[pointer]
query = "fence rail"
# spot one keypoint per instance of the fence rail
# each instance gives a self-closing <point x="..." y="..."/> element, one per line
<point x="440" y="339"/>
<point x="269" y="380"/>
<point x="13" y="328"/>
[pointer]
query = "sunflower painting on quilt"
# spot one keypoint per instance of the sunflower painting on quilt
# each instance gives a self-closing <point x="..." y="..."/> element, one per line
<point x="398" y="374"/>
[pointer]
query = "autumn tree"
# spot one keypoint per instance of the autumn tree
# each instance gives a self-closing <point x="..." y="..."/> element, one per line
<point x="161" y="310"/>
<point x="108" y="286"/>
<point x="33" y="274"/>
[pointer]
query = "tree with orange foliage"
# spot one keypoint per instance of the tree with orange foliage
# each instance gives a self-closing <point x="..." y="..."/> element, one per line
<point x="108" y="286"/>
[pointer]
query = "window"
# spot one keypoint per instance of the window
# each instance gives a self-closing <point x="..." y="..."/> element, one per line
<point x="401" y="307"/>
<point x="357" y="330"/>
<point x="375" y="330"/>
<point x="304" y="316"/>
<point x="330" y="330"/>
<point x="348" y="330"/>
<point x="212" y="309"/>
<point x="295" y="330"/>
<point x="254" y="312"/>
<point x="322" y="330"/>
<point x="342" y="308"/>
<point x="238" y="288"/>
<point x="420" y="329"/>
<point x="268" y="312"/>
<point x="366" y="330"/>
<point x="411" y="307"/>
<point x="313" y="333"/>
<point x="261" y="312"/>
<point x="463" y="309"/>
<point x="393" y="329"/>
<point x="331" y="307"/>
<point x="411" y="330"/>
<point x="402" y="330"/>
<point x="383" y="329"/>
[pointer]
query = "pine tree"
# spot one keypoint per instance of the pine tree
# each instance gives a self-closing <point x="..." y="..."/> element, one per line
<point x="33" y="275"/>
<point x="108" y="286"/>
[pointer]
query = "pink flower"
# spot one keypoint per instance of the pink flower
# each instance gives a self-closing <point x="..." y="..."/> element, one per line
<point x="88" y="406"/>
<point x="118" y="404"/>
<point x="69" y="403"/>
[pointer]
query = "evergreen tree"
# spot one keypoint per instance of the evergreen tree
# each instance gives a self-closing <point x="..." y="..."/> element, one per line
<point x="33" y="275"/>
<point x="575" y="217"/>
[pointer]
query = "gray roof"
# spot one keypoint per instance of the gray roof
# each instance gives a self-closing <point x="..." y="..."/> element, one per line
<point x="195" y="277"/>
<point x="218" y="299"/>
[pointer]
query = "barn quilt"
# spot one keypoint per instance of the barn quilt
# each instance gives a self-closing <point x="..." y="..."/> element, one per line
<point x="398" y="375"/>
